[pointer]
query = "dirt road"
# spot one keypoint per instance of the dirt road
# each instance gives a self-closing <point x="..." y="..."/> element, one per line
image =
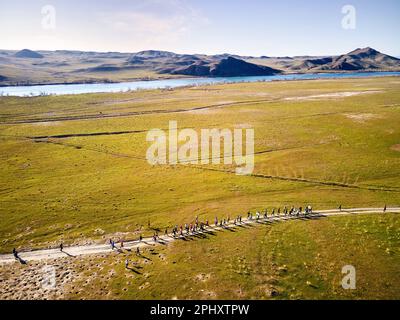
<point x="48" y="254"/>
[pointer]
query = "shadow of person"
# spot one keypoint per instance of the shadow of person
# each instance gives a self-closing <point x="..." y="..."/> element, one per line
<point x="133" y="270"/>
<point x="68" y="254"/>
<point x="21" y="261"/>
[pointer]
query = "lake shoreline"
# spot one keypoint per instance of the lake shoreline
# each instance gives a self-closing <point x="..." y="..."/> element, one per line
<point x="118" y="87"/>
<point x="180" y="77"/>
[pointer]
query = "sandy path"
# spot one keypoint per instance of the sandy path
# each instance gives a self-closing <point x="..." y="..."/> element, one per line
<point x="47" y="254"/>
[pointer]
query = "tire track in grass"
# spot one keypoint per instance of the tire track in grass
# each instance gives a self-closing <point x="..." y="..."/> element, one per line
<point x="253" y="175"/>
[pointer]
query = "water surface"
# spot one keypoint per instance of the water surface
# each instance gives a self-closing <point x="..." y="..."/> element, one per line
<point x="63" y="89"/>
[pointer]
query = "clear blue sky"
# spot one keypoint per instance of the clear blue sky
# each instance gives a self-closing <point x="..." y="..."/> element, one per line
<point x="246" y="27"/>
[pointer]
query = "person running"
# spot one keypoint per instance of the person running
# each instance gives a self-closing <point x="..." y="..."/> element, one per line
<point x="340" y="208"/>
<point x="384" y="209"/>
<point x="15" y="253"/>
<point x="126" y="264"/>
<point x="140" y="238"/>
<point x="166" y="232"/>
<point x="61" y="247"/>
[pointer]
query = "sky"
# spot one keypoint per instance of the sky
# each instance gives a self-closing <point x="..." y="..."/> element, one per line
<point x="244" y="27"/>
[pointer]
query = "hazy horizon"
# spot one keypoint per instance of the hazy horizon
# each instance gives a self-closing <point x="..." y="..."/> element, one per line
<point x="246" y="28"/>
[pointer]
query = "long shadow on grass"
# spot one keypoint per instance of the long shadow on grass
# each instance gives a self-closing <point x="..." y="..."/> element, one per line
<point x="133" y="270"/>
<point x="144" y="257"/>
<point x="193" y="237"/>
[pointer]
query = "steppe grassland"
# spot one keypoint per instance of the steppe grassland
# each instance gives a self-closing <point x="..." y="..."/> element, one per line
<point x="324" y="151"/>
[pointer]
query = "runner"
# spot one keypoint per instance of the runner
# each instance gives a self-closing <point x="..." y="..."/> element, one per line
<point x="340" y="208"/>
<point x="112" y="244"/>
<point x="140" y="238"/>
<point x="61" y="247"/>
<point x="15" y="253"/>
<point x="126" y="264"/>
<point x="384" y="209"/>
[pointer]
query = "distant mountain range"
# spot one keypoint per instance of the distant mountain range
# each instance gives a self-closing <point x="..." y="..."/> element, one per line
<point x="49" y="67"/>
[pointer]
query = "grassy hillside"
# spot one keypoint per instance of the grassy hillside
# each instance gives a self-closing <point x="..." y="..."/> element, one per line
<point x="49" y="67"/>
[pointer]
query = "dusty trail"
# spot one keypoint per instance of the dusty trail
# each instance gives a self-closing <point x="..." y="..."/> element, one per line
<point x="47" y="254"/>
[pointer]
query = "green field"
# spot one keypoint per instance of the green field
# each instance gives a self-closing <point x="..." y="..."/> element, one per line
<point x="68" y="188"/>
<point x="323" y="143"/>
<point x="299" y="259"/>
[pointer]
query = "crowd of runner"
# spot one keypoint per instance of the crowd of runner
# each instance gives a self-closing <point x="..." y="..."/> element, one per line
<point x="199" y="227"/>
